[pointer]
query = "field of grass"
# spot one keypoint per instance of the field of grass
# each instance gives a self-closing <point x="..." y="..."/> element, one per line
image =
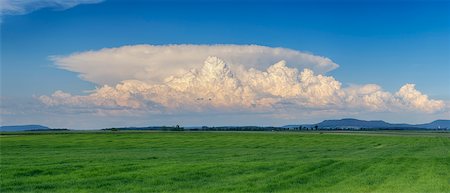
<point x="225" y="162"/>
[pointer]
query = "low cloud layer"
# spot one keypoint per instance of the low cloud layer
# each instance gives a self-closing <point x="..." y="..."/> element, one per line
<point x="149" y="81"/>
<point x="20" y="7"/>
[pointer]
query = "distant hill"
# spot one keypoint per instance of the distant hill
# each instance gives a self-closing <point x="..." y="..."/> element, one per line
<point x="23" y="128"/>
<point x="436" y="124"/>
<point x="377" y="124"/>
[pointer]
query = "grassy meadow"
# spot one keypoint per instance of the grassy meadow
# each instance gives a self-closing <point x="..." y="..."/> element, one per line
<point x="225" y="162"/>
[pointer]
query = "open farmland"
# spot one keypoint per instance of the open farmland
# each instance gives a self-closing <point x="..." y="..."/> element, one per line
<point x="225" y="162"/>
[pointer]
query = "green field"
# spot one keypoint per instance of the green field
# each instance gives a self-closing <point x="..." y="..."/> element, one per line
<point x="225" y="162"/>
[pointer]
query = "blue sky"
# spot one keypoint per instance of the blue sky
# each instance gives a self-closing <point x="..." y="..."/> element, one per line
<point x="385" y="43"/>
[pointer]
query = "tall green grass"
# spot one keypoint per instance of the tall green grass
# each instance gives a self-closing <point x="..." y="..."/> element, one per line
<point x="224" y="162"/>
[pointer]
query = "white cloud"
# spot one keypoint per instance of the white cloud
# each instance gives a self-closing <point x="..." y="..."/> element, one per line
<point x="409" y="96"/>
<point x="153" y="64"/>
<point x="20" y="7"/>
<point x="370" y="96"/>
<point x="214" y="86"/>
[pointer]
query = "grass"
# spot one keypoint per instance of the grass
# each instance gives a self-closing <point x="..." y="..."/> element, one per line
<point x="225" y="162"/>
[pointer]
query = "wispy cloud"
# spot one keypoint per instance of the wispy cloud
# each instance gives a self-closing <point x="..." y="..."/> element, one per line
<point x="155" y="79"/>
<point x="20" y="7"/>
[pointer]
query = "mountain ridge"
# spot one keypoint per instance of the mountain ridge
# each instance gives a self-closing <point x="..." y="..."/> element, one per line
<point x="373" y="124"/>
<point x="23" y="128"/>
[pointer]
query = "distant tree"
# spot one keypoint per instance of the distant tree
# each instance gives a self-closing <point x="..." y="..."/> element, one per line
<point x="178" y="128"/>
<point x="316" y="127"/>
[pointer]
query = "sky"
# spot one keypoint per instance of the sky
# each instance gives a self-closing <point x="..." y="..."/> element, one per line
<point x="87" y="64"/>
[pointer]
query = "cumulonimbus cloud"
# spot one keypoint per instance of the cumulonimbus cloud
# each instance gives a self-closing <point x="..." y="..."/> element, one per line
<point x="153" y="64"/>
<point x="216" y="84"/>
<point x="20" y="7"/>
